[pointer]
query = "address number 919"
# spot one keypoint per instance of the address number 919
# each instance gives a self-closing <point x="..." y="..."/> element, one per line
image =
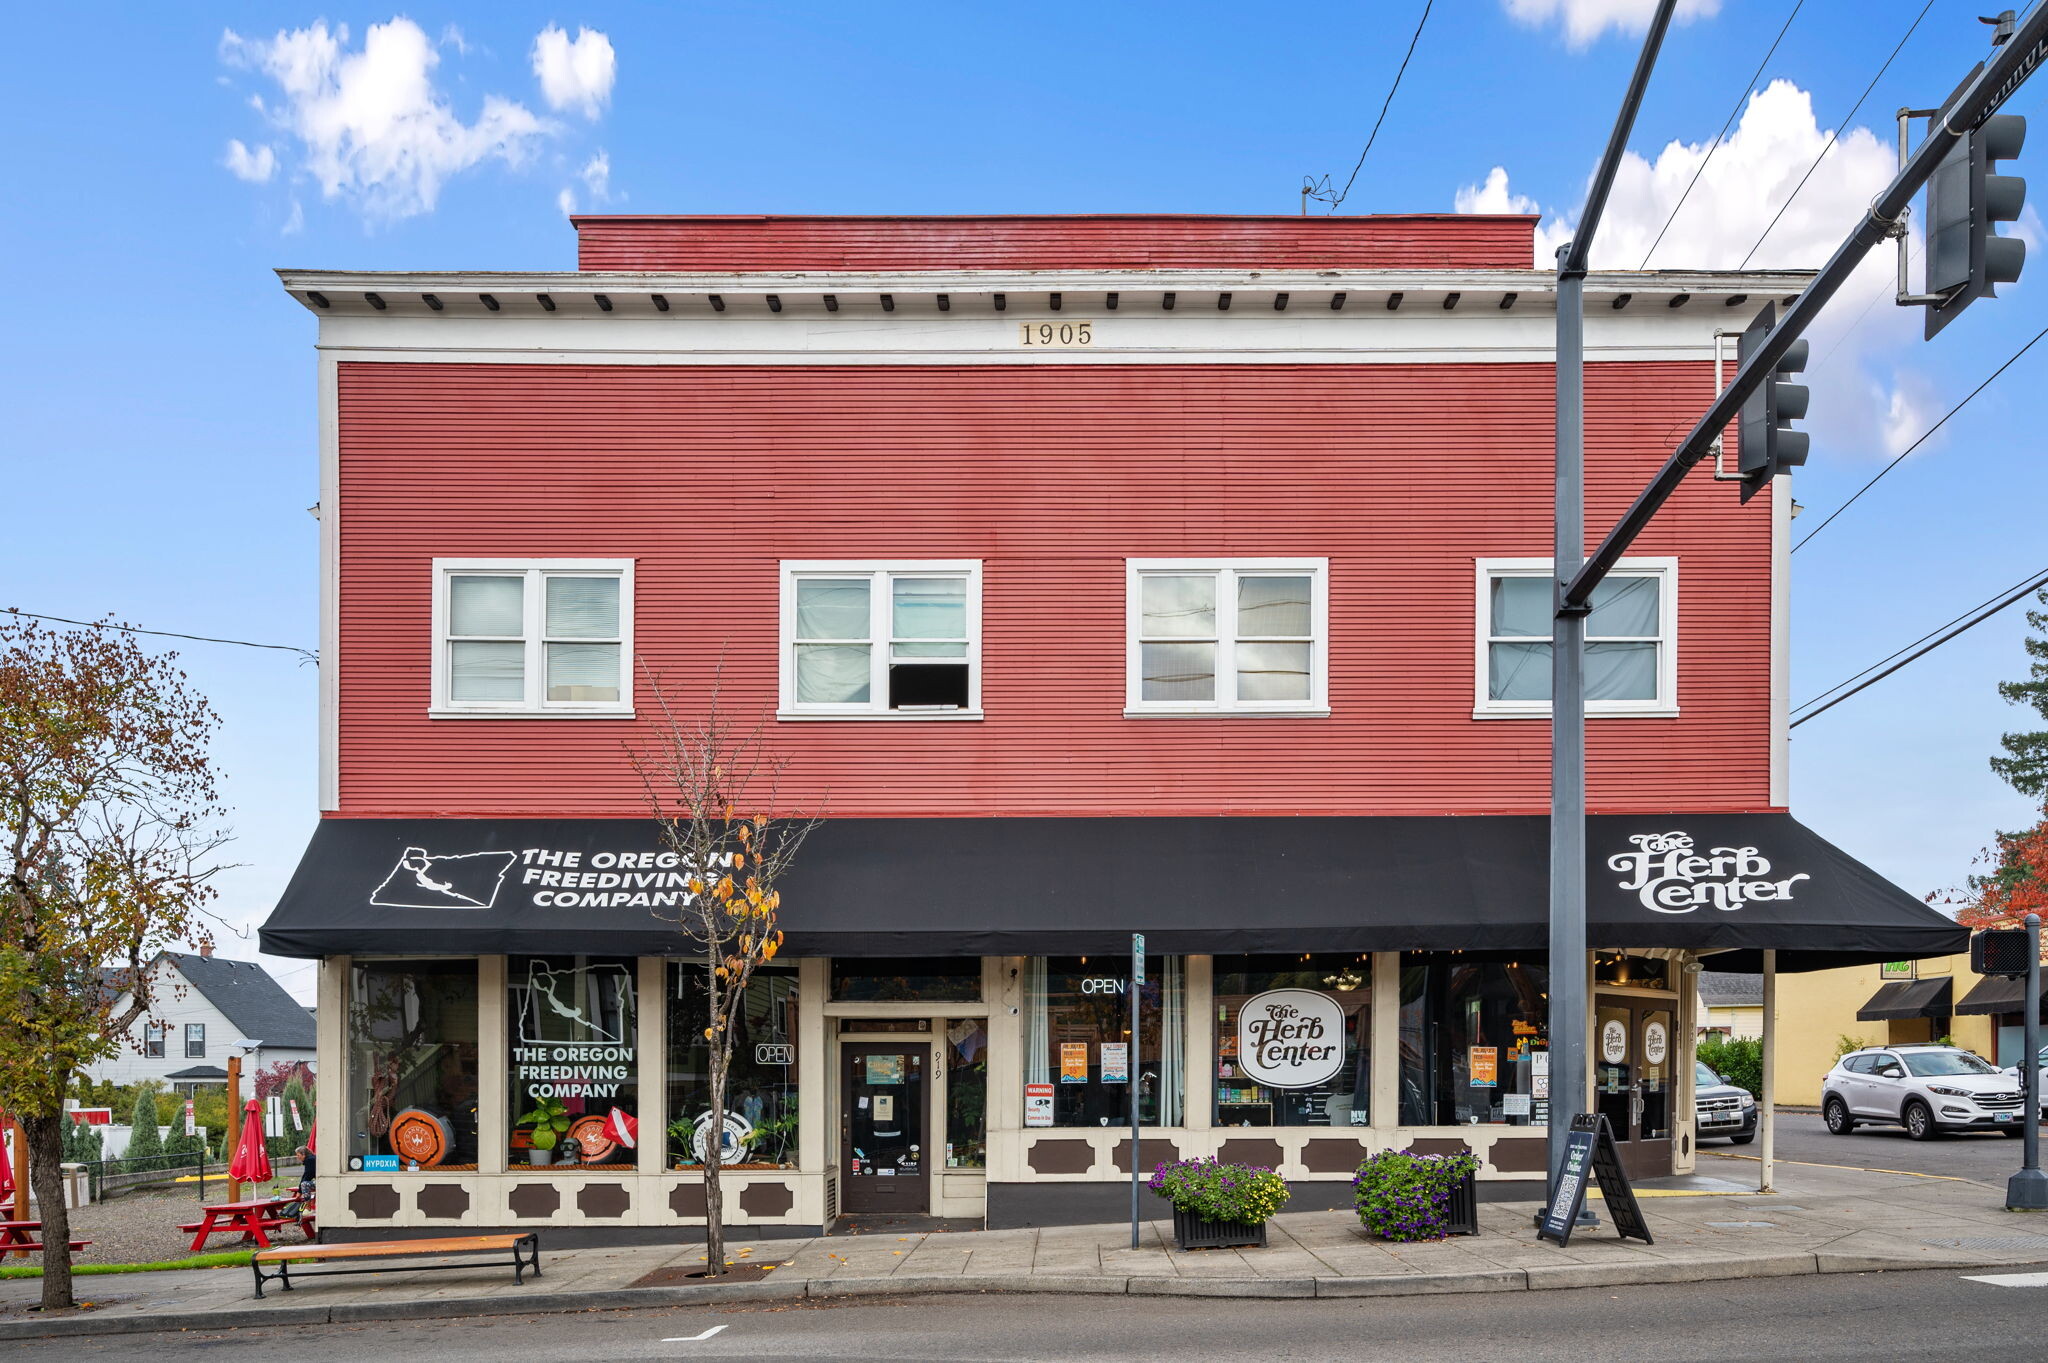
<point x="1057" y="334"/>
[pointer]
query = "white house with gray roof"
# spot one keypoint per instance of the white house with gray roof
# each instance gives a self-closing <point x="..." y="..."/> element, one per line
<point x="206" y="1010"/>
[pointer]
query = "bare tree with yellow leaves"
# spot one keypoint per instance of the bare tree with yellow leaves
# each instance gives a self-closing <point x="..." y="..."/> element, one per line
<point x="714" y="787"/>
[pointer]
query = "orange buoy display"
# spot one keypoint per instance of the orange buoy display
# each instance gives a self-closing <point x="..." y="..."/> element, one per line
<point x="591" y="1140"/>
<point x="419" y="1137"/>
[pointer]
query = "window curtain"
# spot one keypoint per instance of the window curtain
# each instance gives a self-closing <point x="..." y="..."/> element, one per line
<point x="1037" y="1028"/>
<point x="1173" y="1044"/>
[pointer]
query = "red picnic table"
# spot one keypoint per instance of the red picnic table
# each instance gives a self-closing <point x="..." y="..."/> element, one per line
<point x="20" y="1237"/>
<point x="253" y="1219"/>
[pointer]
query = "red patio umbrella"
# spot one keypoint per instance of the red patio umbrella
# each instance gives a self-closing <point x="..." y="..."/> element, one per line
<point x="251" y="1162"/>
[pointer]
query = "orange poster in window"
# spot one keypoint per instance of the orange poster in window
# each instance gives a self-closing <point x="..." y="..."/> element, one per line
<point x="1485" y="1066"/>
<point x="1073" y="1062"/>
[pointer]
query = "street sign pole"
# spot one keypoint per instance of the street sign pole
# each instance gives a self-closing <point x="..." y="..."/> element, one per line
<point x="1132" y="1068"/>
<point x="2027" y="1191"/>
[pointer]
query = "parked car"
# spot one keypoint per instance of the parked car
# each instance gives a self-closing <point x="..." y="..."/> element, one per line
<point x="1721" y="1109"/>
<point x="2042" y="1059"/>
<point x="1928" y="1089"/>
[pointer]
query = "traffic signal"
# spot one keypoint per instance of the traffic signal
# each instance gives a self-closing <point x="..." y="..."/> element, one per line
<point x="1767" y="446"/>
<point x="1966" y="258"/>
<point x="1999" y="951"/>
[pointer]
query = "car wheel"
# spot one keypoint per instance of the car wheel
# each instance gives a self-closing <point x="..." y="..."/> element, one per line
<point x="1836" y="1113"/>
<point x="1920" y="1122"/>
<point x="1744" y="1139"/>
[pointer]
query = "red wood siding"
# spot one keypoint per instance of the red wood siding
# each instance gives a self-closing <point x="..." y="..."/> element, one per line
<point x="709" y="476"/>
<point x="1040" y="243"/>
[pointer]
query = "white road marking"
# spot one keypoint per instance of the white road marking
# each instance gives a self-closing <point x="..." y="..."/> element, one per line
<point x="694" y="1339"/>
<point x="2010" y="1279"/>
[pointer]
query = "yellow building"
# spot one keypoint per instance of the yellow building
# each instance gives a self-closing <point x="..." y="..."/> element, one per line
<point x="1731" y="1005"/>
<point x="1904" y="1001"/>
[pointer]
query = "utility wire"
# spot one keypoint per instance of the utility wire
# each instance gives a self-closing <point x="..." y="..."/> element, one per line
<point x="1309" y="187"/>
<point x="1922" y="440"/>
<point x="1830" y="144"/>
<point x="1979" y="619"/>
<point x="2020" y="587"/>
<point x="307" y="654"/>
<point x="1721" y="136"/>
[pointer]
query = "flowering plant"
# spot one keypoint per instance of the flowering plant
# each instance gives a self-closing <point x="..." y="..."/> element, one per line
<point x="1401" y="1195"/>
<point x="1239" y="1193"/>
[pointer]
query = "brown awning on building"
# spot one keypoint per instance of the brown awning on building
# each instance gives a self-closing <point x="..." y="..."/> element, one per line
<point x="1903" y="999"/>
<point x="1996" y="994"/>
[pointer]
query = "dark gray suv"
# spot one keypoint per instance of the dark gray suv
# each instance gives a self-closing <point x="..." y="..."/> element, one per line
<point x="1721" y="1109"/>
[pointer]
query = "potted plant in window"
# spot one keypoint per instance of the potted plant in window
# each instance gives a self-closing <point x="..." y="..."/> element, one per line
<point x="550" y="1120"/>
<point x="1219" y="1205"/>
<point x="1401" y="1195"/>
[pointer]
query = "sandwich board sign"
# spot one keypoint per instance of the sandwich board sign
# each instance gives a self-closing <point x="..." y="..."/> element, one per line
<point x="1590" y="1153"/>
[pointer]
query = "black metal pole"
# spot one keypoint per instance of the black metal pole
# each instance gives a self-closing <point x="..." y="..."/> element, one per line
<point x="2027" y="1191"/>
<point x="1132" y="1068"/>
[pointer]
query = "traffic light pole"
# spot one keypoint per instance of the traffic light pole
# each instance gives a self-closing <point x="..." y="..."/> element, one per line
<point x="2001" y="76"/>
<point x="2027" y="1191"/>
<point x="1566" y="1025"/>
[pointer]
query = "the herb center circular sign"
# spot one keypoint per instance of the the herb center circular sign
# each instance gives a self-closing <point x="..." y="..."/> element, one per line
<point x="1290" y="1038"/>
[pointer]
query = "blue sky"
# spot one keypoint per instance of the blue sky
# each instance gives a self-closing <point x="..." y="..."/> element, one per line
<point x="160" y="395"/>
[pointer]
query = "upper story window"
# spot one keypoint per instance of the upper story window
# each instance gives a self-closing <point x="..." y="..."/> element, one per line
<point x="195" y="1041"/>
<point x="876" y="640"/>
<point x="153" y="1040"/>
<point x="1631" y="639"/>
<point x="1227" y="636"/>
<point x="530" y="637"/>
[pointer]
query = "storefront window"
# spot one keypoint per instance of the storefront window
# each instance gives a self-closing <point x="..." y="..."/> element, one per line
<point x="761" y="1085"/>
<point x="1077" y="1033"/>
<point x="1473" y="1048"/>
<point x="906" y="979"/>
<point x="575" y="1090"/>
<point x="1631" y="972"/>
<point x="1301" y="1054"/>
<point x="966" y="1094"/>
<point x="412" y="1065"/>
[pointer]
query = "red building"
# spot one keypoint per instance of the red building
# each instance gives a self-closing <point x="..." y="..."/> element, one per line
<point x="1184" y="575"/>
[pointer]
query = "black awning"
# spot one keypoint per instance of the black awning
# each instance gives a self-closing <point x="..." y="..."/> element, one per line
<point x="1996" y="994"/>
<point x="1734" y="884"/>
<point x="1902" y="999"/>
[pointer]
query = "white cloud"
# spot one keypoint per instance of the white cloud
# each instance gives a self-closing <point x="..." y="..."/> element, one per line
<point x="575" y="74"/>
<point x="1585" y="20"/>
<point x="371" y="125"/>
<point x="1494" y="196"/>
<point x="1908" y="410"/>
<point x="254" y="166"/>
<point x="566" y="201"/>
<point x="451" y="36"/>
<point x="296" y="222"/>
<point x="597" y="176"/>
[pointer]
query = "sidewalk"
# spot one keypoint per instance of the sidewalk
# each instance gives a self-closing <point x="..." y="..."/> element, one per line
<point x="1823" y="1220"/>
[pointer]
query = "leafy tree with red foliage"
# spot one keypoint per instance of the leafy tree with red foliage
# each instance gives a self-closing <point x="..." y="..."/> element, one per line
<point x="2016" y="887"/>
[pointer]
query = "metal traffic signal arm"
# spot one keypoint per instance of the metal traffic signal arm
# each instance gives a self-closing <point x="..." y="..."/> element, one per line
<point x="1980" y="98"/>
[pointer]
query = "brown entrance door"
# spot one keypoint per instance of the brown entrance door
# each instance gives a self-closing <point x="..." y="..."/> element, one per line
<point x="1633" y="1080"/>
<point x="884" y="1141"/>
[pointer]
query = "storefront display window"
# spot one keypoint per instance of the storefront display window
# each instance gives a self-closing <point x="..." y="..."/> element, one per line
<point x="1301" y="1054"/>
<point x="412" y="1065"/>
<point x="1077" y="1060"/>
<point x="1631" y="972"/>
<point x="966" y="1093"/>
<point x="906" y="979"/>
<point x="575" y="1086"/>
<point x="1473" y="1047"/>
<point x="761" y="1084"/>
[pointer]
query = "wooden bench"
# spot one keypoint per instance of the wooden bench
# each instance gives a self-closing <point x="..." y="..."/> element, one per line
<point x="524" y="1249"/>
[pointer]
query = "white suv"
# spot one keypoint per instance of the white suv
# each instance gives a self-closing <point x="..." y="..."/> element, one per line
<point x="1926" y="1089"/>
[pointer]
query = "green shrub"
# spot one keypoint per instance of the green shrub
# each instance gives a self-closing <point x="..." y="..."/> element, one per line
<point x="1738" y="1060"/>
<point x="1846" y="1043"/>
<point x="143" y="1141"/>
<point x="1238" y="1193"/>
<point x="1401" y="1195"/>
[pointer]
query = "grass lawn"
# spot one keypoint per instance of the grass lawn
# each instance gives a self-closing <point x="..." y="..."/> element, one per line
<point x="226" y="1259"/>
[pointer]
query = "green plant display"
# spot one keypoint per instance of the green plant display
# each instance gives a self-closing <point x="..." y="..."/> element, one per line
<point x="1401" y="1195"/>
<point x="550" y="1121"/>
<point x="1240" y="1193"/>
<point x="1739" y="1060"/>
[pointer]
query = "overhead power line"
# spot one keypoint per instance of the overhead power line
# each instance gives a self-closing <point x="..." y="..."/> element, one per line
<point x="1722" y="136"/>
<point x="1830" y="143"/>
<point x="1856" y="677"/>
<point x="1922" y="440"/>
<point x="2032" y="586"/>
<point x="1322" y="190"/>
<point x="304" y="653"/>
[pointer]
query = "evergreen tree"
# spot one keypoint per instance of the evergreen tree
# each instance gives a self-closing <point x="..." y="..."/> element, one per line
<point x="143" y="1140"/>
<point x="2025" y="767"/>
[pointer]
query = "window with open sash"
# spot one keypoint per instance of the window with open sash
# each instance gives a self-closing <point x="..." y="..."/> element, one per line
<point x="881" y="640"/>
<point x="1631" y="639"/>
<point x="533" y="637"/>
<point x="1246" y="636"/>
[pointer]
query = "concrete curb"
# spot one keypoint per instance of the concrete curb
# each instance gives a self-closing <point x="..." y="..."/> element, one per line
<point x="1547" y="1277"/>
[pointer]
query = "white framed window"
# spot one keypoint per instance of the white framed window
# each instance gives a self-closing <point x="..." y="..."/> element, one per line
<point x="195" y="1041"/>
<point x="1227" y="636"/>
<point x="153" y="1040"/>
<point x="531" y="638"/>
<point x="1631" y="639"/>
<point x="877" y="639"/>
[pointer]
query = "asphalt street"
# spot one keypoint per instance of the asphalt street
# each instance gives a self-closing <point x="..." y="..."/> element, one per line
<point x="1848" y="1316"/>
<point x="1986" y="1157"/>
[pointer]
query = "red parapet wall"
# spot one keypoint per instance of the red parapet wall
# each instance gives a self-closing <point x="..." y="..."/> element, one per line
<point x="708" y="476"/>
<point x="1161" y="241"/>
